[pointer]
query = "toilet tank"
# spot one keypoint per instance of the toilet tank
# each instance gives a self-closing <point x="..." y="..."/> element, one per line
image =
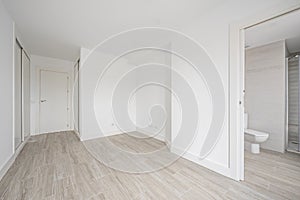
<point x="245" y="120"/>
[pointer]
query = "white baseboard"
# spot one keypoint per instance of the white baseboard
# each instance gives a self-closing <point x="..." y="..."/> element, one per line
<point x="51" y="132"/>
<point x="12" y="159"/>
<point x="77" y="134"/>
<point x="221" y="169"/>
<point x="158" y="137"/>
<point x="107" y="134"/>
<point x="75" y="131"/>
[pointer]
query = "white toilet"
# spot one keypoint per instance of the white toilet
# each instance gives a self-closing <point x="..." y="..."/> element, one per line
<point x="254" y="137"/>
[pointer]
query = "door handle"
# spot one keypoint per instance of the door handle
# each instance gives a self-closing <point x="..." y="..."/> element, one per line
<point x="42" y="101"/>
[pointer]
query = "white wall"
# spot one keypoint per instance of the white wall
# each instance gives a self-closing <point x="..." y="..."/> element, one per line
<point x="153" y="102"/>
<point x="6" y="86"/>
<point x="218" y="158"/>
<point x="38" y="63"/>
<point x="92" y="114"/>
<point x="265" y="92"/>
<point x="141" y="103"/>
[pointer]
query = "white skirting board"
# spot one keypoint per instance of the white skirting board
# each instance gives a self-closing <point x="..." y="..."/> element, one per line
<point x="107" y="134"/>
<point x="51" y="132"/>
<point x="158" y="137"/>
<point x="221" y="169"/>
<point x="77" y="134"/>
<point x="12" y="159"/>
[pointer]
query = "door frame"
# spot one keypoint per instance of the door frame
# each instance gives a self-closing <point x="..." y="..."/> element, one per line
<point x="237" y="74"/>
<point x="39" y="97"/>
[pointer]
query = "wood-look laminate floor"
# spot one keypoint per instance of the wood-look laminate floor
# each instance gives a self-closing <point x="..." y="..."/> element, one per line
<point x="57" y="166"/>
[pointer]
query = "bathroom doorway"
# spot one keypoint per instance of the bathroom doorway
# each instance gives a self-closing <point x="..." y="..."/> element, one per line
<point x="266" y="46"/>
<point x="237" y="75"/>
<point x="271" y="84"/>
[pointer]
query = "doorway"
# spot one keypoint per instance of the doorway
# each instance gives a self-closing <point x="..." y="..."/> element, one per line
<point x="236" y="82"/>
<point x="273" y="37"/>
<point x="54" y="101"/>
<point x="272" y="80"/>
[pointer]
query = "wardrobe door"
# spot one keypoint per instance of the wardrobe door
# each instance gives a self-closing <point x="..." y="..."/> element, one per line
<point x="25" y="94"/>
<point x="76" y="97"/>
<point x="18" y="95"/>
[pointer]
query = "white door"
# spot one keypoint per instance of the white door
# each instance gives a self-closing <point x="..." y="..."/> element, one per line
<point x="54" y="111"/>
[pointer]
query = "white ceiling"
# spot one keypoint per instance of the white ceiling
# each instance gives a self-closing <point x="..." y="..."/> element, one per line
<point x="286" y="27"/>
<point x="58" y="28"/>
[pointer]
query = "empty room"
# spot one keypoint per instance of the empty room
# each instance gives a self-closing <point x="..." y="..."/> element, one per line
<point x="140" y="99"/>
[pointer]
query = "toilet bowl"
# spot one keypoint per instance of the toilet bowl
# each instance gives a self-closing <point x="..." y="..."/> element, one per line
<point x="254" y="137"/>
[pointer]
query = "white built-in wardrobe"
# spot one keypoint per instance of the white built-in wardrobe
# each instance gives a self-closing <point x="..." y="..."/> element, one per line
<point x="21" y="95"/>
